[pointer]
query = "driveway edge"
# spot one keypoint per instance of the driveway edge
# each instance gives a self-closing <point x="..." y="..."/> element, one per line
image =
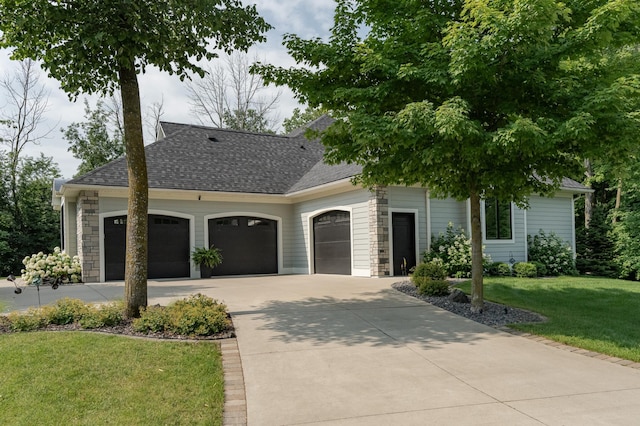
<point x="562" y="346"/>
<point x="235" y="400"/>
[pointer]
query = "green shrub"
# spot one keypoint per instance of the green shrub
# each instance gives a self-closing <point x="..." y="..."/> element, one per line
<point x="31" y="320"/>
<point x="453" y="249"/>
<point x="553" y="252"/>
<point x="106" y="315"/>
<point x="430" y="270"/>
<point x="153" y="319"/>
<point x="197" y="321"/>
<point x="597" y="267"/>
<point x="197" y="315"/>
<point x="498" y="269"/>
<point x="67" y="311"/>
<point x="627" y="243"/>
<point x="434" y="288"/>
<point x="541" y="270"/>
<point x="525" y="270"/>
<point x="596" y="245"/>
<point x="197" y="301"/>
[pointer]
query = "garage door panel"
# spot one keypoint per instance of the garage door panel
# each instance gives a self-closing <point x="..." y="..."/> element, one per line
<point x="332" y="243"/>
<point x="168" y="245"/>
<point x="169" y="255"/>
<point x="249" y="245"/>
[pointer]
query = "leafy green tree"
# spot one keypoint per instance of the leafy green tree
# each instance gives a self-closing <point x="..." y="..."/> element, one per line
<point x="102" y="46"/>
<point x="300" y="118"/>
<point x="38" y="229"/>
<point x="21" y="116"/>
<point x="7" y="260"/>
<point x="627" y="230"/>
<point x="248" y="120"/>
<point x="595" y="245"/>
<point x="41" y="228"/>
<point x="473" y="99"/>
<point x="91" y="142"/>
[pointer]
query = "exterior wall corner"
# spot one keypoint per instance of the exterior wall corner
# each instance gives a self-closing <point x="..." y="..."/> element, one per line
<point x="88" y="235"/>
<point x="379" y="231"/>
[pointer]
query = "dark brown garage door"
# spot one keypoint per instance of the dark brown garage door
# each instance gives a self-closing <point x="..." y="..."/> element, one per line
<point x="169" y="255"/>
<point x="249" y="245"/>
<point x="332" y="243"/>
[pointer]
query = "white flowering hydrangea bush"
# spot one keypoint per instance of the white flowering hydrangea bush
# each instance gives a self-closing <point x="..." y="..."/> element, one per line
<point x="453" y="250"/>
<point x="553" y="252"/>
<point x="55" y="265"/>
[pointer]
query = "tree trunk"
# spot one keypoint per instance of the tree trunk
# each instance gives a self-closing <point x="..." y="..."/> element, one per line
<point x="616" y="210"/>
<point x="589" y="196"/>
<point x="477" y="296"/>
<point x="135" y="275"/>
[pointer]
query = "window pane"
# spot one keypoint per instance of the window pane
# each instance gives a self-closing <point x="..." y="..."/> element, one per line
<point x="504" y="221"/>
<point x="491" y="219"/>
<point x="497" y="220"/>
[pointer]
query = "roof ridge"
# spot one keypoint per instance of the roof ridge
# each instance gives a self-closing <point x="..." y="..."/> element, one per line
<point x="221" y="129"/>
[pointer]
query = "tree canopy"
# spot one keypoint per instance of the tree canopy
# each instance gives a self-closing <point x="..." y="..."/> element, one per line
<point x="473" y="99"/>
<point x="300" y="118"/>
<point x="91" y="141"/>
<point x="101" y="46"/>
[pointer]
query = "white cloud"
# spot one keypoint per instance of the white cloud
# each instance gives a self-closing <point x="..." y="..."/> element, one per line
<point x="306" y="18"/>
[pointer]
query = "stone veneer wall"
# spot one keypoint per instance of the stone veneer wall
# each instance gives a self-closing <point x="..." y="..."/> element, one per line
<point x="88" y="235"/>
<point x="379" y="230"/>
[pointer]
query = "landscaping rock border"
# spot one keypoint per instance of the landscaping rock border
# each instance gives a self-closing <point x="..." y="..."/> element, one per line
<point x="493" y="315"/>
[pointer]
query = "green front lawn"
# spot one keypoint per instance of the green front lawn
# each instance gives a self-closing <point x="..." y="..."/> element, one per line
<point x="597" y="314"/>
<point x="74" y="378"/>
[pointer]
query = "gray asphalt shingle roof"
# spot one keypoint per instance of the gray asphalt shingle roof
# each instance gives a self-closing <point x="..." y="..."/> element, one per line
<point x="202" y="158"/>
<point x="199" y="158"/>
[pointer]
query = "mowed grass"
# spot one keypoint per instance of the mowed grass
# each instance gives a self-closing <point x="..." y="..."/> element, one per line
<point x="75" y="378"/>
<point x="597" y="314"/>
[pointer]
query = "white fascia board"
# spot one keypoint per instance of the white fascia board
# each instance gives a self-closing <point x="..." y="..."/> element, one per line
<point x="337" y="187"/>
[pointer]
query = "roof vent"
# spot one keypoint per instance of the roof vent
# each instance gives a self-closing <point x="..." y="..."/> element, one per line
<point x="302" y="147"/>
<point x="213" y="139"/>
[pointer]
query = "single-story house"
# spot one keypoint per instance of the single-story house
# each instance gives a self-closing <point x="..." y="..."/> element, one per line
<point x="272" y="206"/>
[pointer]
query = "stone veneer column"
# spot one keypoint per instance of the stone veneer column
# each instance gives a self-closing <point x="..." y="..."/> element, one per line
<point x="379" y="231"/>
<point x="88" y="235"/>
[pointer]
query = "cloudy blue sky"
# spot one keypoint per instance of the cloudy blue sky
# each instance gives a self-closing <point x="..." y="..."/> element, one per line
<point x="306" y="18"/>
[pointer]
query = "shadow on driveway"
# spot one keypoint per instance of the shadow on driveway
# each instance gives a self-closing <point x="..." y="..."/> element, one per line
<point x="382" y="318"/>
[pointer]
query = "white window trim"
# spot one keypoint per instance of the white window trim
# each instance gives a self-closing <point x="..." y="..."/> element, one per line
<point x="483" y="223"/>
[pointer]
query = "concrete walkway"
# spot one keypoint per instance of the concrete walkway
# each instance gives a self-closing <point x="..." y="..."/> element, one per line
<point x="333" y="350"/>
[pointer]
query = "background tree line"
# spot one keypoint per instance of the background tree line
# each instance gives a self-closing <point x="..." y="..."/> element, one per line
<point x="608" y="221"/>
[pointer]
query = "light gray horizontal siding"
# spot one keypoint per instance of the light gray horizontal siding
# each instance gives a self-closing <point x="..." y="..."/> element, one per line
<point x="552" y="215"/>
<point x="358" y="202"/>
<point x="443" y="211"/>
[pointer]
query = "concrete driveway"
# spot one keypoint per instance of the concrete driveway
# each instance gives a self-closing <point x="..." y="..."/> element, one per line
<point x="333" y="350"/>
